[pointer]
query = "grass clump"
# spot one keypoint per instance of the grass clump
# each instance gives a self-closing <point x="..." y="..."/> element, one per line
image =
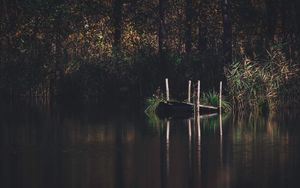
<point x="211" y="98"/>
<point x="152" y="103"/>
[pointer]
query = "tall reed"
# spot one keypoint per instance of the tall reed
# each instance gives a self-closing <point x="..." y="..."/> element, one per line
<point x="262" y="82"/>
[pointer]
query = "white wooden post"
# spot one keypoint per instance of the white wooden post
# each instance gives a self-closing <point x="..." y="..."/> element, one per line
<point x="189" y="91"/>
<point x="198" y="96"/>
<point x="220" y="98"/>
<point x="167" y="89"/>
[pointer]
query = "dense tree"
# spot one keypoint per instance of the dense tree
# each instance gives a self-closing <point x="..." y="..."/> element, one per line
<point x="188" y="25"/>
<point x="117" y="19"/>
<point x="162" y="29"/>
<point x="227" y="32"/>
<point x="70" y="47"/>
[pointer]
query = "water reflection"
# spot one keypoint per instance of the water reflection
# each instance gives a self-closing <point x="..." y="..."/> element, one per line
<point x="198" y="144"/>
<point x="168" y="147"/>
<point x="89" y="147"/>
<point x="190" y="142"/>
<point x="191" y="165"/>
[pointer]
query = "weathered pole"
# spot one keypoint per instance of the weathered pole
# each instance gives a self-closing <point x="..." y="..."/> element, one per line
<point x="220" y="109"/>
<point x="167" y="89"/>
<point x="227" y="32"/>
<point x="198" y="96"/>
<point x="220" y="98"/>
<point x="189" y="91"/>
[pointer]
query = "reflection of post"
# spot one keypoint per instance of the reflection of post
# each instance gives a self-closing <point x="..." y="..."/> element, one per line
<point x="190" y="129"/>
<point x="199" y="142"/>
<point x="162" y="155"/>
<point x="221" y="139"/>
<point x="190" y="143"/>
<point x="167" y="146"/>
<point x="220" y="109"/>
<point x="168" y="131"/>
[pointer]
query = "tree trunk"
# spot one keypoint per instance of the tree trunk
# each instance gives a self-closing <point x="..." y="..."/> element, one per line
<point x="4" y="32"/>
<point x="297" y="7"/>
<point x="271" y="19"/>
<point x="161" y="32"/>
<point x="161" y="38"/>
<point x="202" y="31"/>
<point x="283" y="7"/>
<point x="117" y="23"/>
<point x="188" y="26"/>
<point x="227" y="32"/>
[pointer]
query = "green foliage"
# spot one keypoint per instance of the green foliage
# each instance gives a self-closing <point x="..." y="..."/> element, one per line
<point x="212" y="98"/>
<point x="152" y="104"/>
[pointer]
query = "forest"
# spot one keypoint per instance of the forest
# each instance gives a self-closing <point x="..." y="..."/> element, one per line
<point x="106" y="49"/>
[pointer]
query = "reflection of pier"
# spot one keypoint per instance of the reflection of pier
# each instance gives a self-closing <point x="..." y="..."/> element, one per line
<point x="194" y="142"/>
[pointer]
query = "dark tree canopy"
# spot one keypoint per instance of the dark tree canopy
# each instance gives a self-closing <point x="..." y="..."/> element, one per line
<point x="97" y="48"/>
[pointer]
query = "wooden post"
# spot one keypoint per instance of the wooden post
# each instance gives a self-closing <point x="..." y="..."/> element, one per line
<point x="220" y="98"/>
<point x="189" y="91"/>
<point x="167" y="89"/>
<point x="198" y="96"/>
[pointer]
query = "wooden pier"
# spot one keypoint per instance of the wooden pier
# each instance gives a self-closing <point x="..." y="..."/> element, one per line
<point x="170" y="108"/>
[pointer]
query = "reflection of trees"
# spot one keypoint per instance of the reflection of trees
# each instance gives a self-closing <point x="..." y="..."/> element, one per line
<point x="39" y="146"/>
<point x="259" y="142"/>
<point x="247" y="129"/>
<point x="42" y="147"/>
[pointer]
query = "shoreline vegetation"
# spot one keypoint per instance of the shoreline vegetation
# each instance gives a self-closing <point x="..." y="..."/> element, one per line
<point x="122" y="50"/>
<point x="264" y="83"/>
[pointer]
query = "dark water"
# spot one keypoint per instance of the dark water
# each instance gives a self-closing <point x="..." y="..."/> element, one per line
<point x="88" y="146"/>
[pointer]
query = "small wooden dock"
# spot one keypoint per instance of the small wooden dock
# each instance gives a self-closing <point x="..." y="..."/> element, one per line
<point x="171" y="108"/>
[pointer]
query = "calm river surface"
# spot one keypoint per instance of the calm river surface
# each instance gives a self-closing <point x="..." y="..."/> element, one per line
<point x="84" y="146"/>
